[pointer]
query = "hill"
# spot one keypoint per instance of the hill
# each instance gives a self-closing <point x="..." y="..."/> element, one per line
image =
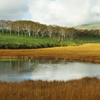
<point x="88" y="26"/>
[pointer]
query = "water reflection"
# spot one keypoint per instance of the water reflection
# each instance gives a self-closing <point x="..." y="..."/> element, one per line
<point x="19" y="70"/>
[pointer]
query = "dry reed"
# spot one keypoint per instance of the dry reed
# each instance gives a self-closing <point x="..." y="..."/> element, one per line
<point x="82" y="89"/>
<point x="83" y="53"/>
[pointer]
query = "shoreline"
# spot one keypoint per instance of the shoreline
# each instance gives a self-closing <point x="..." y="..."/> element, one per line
<point x="83" y="53"/>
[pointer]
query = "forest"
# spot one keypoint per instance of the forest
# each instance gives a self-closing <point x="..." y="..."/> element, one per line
<point x="31" y="28"/>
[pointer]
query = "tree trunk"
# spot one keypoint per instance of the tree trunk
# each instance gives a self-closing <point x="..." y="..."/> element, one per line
<point x="10" y="32"/>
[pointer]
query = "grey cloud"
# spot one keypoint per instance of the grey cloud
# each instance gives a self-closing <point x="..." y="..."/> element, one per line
<point x="13" y="9"/>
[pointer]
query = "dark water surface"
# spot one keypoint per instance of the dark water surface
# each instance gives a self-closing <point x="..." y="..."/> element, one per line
<point x="20" y="70"/>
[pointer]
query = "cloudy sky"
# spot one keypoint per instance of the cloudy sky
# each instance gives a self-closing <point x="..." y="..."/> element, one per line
<point x="54" y="12"/>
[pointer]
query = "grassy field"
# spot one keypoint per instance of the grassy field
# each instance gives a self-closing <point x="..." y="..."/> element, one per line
<point x="70" y="50"/>
<point x="88" y="26"/>
<point x="15" y="41"/>
<point x="25" y="42"/>
<point x="84" y="53"/>
<point x="82" y="89"/>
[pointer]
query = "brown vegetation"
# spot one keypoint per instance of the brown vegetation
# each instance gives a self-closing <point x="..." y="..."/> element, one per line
<point x="82" y="89"/>
<point x="83" y="53"/>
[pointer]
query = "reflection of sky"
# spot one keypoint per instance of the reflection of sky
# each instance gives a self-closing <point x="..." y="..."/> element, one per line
<point x="15" y="78"/>
<point x="65" y="71"/>
<point x="47" y="71"/>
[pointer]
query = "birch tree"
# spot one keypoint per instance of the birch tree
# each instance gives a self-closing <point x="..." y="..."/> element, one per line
<point x="3" y="25"/>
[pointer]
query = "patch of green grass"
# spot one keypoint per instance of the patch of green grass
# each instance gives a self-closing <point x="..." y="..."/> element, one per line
<point x="25" y="42"/>
<point x="67" y="43"/>
<point x="15" y="41"/>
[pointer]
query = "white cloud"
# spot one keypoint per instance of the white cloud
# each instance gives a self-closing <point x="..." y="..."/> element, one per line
<point x="57" y="12"/>
<point x="65" y="12"/>
<point x="13" y="9"/>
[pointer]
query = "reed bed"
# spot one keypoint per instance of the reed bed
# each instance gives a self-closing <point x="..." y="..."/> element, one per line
<point x="83" y="53"/>
<point x="82" y="89"/>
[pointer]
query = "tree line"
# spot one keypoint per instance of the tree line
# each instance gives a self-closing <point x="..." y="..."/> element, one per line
<point x="30" y="28"/>
<point x="89" y="33"/>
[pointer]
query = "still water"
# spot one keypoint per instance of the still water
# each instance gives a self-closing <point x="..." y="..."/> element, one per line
<point x="20" y="70"/>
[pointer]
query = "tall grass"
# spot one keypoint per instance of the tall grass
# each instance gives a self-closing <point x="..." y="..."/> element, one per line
<point x="84" y="53"/>
<point x="82" y="89"/>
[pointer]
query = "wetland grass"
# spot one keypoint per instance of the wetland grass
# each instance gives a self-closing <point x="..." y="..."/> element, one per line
<point x="82" y="89"/>
<point x="84" y="53"/>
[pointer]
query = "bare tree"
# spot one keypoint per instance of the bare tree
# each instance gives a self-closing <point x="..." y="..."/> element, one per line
<point x="3" y="25"/>
<point x="44" y="31"/>
<point x="9" y="26"/>
<point x="50" y="31"/>
<point x="37" y="29"/>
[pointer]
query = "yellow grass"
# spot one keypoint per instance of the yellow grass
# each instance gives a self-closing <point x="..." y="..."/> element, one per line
<point x="83" y="89"/>
<point x="85" y="53"/>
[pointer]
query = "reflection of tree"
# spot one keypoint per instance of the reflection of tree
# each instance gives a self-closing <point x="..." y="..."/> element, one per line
<point x="23" y="66"/>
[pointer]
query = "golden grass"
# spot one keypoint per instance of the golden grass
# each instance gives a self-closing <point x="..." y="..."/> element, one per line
<point x="84" y="53"/>
<point x="82" y="89"/>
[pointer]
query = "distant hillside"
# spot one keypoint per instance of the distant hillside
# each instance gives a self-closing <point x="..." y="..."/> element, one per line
<point x="88" y="26"/>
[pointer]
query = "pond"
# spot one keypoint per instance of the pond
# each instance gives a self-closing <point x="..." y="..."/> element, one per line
<point x="20" y="70"/>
